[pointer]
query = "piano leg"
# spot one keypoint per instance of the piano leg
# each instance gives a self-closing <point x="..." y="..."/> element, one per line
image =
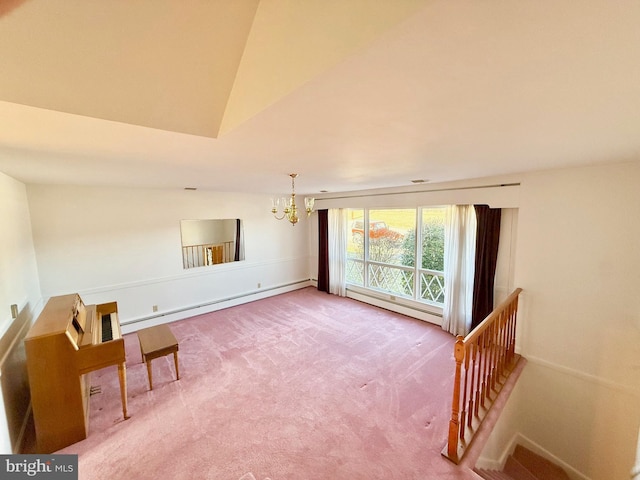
<point x="122" y="374"/>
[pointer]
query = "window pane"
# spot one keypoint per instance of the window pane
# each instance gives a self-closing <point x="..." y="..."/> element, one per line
<point x="355" y="272"/>
<point x="432" y="254"/>
<point x="389" y="233"/>
<point x="385" y="252"/>
<point x="355" y="238"/>
<point x="395" y="280"/>
<point x="433" y="238"/>
<point x="432" y="287"/>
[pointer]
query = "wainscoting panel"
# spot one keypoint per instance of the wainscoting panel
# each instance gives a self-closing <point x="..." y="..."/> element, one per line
<point x="14" y="378"/>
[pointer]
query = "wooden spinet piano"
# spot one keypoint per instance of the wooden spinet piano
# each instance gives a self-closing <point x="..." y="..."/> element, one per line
<point x="67" y="342"/>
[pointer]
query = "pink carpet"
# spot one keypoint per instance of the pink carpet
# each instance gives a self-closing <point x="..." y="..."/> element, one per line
<point x="303" y="385"/>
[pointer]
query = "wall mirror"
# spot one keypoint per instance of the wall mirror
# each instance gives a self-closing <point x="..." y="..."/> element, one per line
<point x="211" y="242"/>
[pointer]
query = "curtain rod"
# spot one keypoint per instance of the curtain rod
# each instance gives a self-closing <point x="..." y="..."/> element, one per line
<point x="384" y="194"/>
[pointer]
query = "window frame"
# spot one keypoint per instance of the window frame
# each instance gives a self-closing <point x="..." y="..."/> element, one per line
<point x="414" y="300"/>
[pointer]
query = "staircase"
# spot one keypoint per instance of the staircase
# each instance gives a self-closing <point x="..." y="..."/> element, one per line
<point x="523" y="464"/>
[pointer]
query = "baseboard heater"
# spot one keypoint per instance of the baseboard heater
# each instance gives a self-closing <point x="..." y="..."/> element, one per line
<point x="213" y="302"/>
<point x="380" y="298"/>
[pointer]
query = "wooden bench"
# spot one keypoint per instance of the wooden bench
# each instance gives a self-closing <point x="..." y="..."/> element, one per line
<point x="157" y="342"/>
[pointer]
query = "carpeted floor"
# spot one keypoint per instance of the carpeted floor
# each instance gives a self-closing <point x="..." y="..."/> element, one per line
<point x="303" y="385"/>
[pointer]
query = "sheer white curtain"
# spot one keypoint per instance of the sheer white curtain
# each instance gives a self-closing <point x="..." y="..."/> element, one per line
<point x="459" y="266"/>
<point x="337" y="233"/>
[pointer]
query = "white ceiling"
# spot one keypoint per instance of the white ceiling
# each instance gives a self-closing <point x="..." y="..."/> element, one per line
<point x="234" y="95"/>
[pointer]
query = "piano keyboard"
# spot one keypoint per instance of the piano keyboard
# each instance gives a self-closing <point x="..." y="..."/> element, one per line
<point x="107" y="324"/>
<point x="107" y="333"/>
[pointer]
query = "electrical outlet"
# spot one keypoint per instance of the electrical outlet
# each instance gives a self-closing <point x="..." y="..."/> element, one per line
<point x="155" y="308"/>
<point x="259" y="285"/>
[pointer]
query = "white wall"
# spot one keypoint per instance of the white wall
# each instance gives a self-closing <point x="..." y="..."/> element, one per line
<point x="124" y="244"/>
<point x="18" y="272"/>
<point x="578" y="262"/>
<point x="18" y="285"/>
<point x="506" y="262"/>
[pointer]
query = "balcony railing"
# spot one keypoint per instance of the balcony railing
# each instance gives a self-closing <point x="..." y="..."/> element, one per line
<point x="397" y="280"/>
<point x="484" y="360"/>
<point x="207" y="254"/>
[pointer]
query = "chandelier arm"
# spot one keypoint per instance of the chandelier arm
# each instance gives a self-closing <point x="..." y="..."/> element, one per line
<point x="291" y="210"/>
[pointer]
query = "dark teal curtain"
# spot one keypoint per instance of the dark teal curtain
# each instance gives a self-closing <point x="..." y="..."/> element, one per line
<point x="323" y="250"/>
<point x="487" y="240"/>
<point x="236" y="254"/>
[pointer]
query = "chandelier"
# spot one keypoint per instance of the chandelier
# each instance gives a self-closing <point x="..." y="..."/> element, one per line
<point x="288" y="205"/>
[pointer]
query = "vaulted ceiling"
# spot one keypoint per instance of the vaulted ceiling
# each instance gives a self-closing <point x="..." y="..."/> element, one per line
<point x="350" y="94"/>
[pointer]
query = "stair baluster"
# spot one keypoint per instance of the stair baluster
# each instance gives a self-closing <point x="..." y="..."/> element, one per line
<point x="484" y="359"/>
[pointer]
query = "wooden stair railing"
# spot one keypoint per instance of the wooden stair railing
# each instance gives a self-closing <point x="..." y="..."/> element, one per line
<point x="484" y="360"/>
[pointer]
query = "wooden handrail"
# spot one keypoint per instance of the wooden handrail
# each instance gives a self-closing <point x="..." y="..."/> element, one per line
<point x="486" y="323"/>
<point x="484" y="360"/>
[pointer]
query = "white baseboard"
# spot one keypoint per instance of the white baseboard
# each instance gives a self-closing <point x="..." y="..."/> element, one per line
<point x="208" y="307"/>
<point x="395" y="306"/>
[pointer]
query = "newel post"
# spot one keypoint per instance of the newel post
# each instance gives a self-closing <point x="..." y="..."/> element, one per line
<point x="454" y="423"/>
